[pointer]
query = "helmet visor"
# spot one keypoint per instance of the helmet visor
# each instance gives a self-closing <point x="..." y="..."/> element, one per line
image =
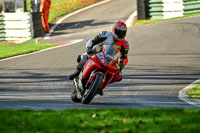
<point x="120" y="33"/>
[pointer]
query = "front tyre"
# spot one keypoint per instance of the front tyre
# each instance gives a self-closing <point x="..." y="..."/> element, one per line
<point x="92" y="90"/>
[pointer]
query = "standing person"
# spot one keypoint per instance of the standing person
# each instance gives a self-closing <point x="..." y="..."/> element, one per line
<point x="2" y="7"/>
<point x="44" y="9"/>
<point x="117" y="38"/>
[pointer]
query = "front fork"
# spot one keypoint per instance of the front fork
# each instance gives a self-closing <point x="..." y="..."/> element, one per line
<point x="78" y="86"/>
<point x="78" y="83"/>
<point x="92" y="76"/>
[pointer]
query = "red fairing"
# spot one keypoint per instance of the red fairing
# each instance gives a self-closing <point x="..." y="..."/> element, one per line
<point x="97" y="62"/>
<point x="90" y="65"/>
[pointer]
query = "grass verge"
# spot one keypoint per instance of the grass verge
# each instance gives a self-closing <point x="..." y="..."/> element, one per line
<point x="9" y="50"/>
<point x="147" y="21"/>
<point x="101" y="120"/>
<point x="194" y="92"/>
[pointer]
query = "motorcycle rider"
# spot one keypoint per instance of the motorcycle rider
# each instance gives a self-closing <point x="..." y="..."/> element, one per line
<point x="116" y="37"/>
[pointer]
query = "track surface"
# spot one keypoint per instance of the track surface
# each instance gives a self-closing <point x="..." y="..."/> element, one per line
<point x="163" y="59"/>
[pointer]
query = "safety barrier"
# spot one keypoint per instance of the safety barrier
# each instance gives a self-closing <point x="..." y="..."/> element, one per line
<point x="16" y="27"/>
<point x="164" y="9"/>
<point x="191" y="7"/>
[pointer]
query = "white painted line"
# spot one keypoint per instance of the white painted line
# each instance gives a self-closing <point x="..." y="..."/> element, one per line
<point x="185" y="97"/>
<point x="73" y="42"/>
<point x="71" y="14"/>
<point x="131" y="19"/>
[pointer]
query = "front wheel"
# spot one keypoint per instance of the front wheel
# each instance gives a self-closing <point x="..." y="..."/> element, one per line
<point x="91" y="91"/>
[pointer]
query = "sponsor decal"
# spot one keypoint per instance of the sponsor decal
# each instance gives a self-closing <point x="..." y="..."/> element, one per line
<point x="101" y="57"/>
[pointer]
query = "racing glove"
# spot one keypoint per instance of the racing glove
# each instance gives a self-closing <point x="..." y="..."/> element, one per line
<point x="90" y="51"/>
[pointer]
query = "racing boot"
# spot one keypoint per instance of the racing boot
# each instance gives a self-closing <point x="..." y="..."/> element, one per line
<point x="100" y="92"/>
<point x="80" y="60"/>
<point x="76" y="73"/>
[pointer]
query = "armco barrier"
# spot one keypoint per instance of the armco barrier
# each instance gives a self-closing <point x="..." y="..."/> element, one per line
<point x="191" y="7"/>
<point x="16" y="27"/>
<point x="164" y="9"/>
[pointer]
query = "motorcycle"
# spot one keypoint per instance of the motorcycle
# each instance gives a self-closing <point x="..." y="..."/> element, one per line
<point x="97" y="73"/>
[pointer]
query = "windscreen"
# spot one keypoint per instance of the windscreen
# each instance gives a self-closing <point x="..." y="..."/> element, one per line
<point x="111" y="53"/>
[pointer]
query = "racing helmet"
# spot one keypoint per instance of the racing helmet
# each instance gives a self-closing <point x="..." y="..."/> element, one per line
<point x="119" y="30"/>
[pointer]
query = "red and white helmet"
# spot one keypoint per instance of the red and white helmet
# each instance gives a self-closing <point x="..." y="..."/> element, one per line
<point x="119" y="30"/>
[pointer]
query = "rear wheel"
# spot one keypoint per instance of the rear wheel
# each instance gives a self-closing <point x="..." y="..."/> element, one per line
<point x="92" y="90"/>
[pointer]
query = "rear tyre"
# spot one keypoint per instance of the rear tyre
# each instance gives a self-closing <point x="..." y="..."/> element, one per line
<point x="92" y="90"/>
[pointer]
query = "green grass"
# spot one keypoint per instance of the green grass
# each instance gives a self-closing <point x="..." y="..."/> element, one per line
<point x="195" y="92"/>
<point x="147" y="21"/>
<point x="13" y="50"/>
<point x="28" y="5"/>
<point x="101" y="120"/>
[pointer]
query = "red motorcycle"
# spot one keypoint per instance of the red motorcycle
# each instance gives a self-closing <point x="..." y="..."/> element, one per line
<point x="97" y="73"/>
